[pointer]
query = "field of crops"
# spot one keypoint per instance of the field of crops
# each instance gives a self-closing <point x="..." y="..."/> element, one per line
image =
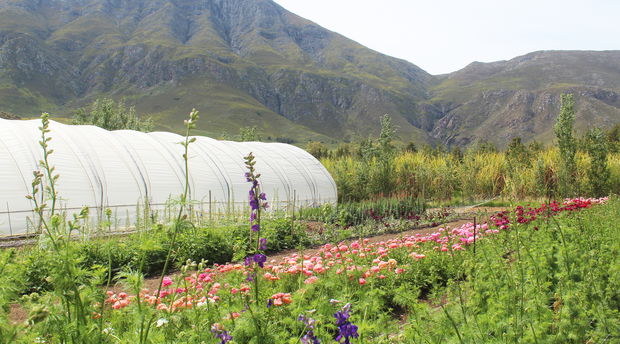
<point x="376" y="268"/>
<point x="475" y="174"/>
<point x="546" y="274"/>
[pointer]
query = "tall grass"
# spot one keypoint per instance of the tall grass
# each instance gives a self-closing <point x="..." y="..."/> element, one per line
<point x="474" y="176"/>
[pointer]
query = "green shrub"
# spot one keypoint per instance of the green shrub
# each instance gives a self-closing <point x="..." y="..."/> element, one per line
<point x="212" y="245"/>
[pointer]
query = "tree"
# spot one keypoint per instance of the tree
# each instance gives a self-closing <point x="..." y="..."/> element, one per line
<point x="383" y="183"/>
<point x="410" y="147"/>
<point x="457" y="154"/>
<point x="613" y="137"/>
<point x="517" y="154"/>
<point x="598" y="174"/>
<point x="317" y="149"/>
<point x="567" y="144"/>
<point x="483" y="146"/>
<point x="107" y="114"/>
<point x="386" y="136"/>
<point x="367" y="149"/>
<point x="247" y="134"/>
<point x="535" y="147"/>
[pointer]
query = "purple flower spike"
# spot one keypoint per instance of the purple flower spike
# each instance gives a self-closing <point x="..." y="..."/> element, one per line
<point x="346" y="330"/>
<point x="260" y="259"/>
<point x="262" y="196"/>
<point x="255" y="227"/>
<point x="254" y="203"/>
<point x="309" y="337"/>
<point x="220" y="333"/>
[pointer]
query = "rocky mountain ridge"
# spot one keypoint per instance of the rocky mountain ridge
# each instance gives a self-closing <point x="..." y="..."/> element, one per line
<point x="252" y="63"/>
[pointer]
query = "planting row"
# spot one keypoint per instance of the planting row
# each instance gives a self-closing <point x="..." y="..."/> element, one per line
<point x="252" y="300"/>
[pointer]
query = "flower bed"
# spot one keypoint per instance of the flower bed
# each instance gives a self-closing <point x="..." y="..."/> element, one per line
<point x="226" y="296"/>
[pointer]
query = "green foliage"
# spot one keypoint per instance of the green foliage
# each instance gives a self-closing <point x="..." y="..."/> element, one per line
<point x="567" y="145"/>
<point x="410" y="147"/>
<point x="317" y="149"/>
<point x="598" y="174"/>
<point x="208" y="244"/>
<point x="248" y="134"/>
<point x="9" y="287"/>
<point x="517" y="154"/>
<point x="613" y="137"/>
<point x="108" y="114"/>
<point x="350" y="214"/>
<point x="484" y="146"/>
<point x="386" y="136"/>
<point x="553" y="281"/>
<point x="285" y="234"/>
<point x="471" y="175"/>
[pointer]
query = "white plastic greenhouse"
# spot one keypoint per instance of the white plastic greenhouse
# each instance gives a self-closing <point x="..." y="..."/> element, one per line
<point x="122" y="170"/>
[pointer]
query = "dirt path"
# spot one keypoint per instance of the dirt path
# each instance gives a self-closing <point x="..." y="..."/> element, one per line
<point x="373" y="239"/>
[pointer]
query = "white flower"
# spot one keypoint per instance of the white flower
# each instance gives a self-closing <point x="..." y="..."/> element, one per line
<point x="201" y="304"/>
<point x="161" y="322"/>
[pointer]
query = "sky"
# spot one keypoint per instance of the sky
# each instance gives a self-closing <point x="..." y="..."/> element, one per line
<point x="443" y="36"/>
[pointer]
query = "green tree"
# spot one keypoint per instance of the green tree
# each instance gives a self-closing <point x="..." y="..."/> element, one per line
<point x="567" y="145"/>
<point x="108" y="114"/>
<point x="613" y="137"/>
<point x="535" y="147"/>
<point x="517" y="154"/>
<point x="410" y="147"/>
<point x="247" y="134"/>
<point x="367" y="149"/>
<point x="317" y="149"/>
<point x="383" y="181"/>
<point x="484" y="146"/>
<point x="456" y="154"/>
<point x="598" y="174"/>
<point x="386" y="136"/>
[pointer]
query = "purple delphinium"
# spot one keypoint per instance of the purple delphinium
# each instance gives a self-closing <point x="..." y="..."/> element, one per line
<point x="346" y="330"/>
<point x="220" y="333"/>
<point x="257" y="200"/>
<point x="309" y="337"/>
<point x="260" y="259"/>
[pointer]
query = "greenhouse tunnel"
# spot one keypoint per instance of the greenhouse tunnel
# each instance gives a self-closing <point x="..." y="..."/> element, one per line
<point x="125" y="171"/>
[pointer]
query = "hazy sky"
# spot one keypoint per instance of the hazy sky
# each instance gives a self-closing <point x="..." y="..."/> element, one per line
<point x="442" y="36"/>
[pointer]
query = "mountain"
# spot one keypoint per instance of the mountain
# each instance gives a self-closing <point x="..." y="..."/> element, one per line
<point x="253" y="63"/>
<point x="521" y="97"/>
<point x="240" y="62"/>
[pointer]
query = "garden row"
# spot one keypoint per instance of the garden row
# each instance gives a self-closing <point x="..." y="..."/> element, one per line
<point x="527" y="275"/>
<point x="146" y="251"/>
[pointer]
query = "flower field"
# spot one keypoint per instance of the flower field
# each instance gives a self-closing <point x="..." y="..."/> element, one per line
<point x="420" y="288"/>
<point x="547" y="273"/>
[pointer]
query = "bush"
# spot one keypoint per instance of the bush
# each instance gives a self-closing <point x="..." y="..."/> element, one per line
<point x="212" y="245"/>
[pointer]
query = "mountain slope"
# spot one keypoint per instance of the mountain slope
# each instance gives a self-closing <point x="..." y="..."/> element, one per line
<point x="241" y="62"/>
<point x="252" y="63"/>
<point x="501" y="100"/>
